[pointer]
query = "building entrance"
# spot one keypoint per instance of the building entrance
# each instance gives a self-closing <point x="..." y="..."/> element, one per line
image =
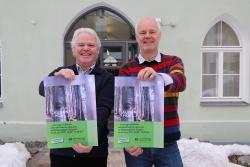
<point x="117" y="36"/>
<point x="116" y="33"/>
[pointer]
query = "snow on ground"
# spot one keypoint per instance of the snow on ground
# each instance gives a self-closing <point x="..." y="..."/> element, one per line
<point x="13" y="155"/>
<point x="202" y="154"/>
<point x="193" y="152"/>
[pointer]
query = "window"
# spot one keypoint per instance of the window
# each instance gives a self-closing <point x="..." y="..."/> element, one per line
<point x="116" y="34"/>
<point x="225" y="62"/>
<point x="0" y="72"/>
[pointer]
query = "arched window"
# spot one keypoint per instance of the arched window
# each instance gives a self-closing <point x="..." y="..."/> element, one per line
<point x="225" y="64"/>
<point x="1" y="72"/>
<point x="115" y="31"/>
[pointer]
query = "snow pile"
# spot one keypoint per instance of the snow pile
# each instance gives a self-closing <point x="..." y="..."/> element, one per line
<point x="13" y="155"/>
<point x="201" y="154"/>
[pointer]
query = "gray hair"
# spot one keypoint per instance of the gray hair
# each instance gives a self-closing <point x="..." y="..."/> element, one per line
<point x="145" y="18"/>
<point x="85" y="30"/>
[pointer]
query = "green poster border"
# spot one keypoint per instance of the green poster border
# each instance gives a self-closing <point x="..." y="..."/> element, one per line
<point x="141" y="133"/>
<point x="66" y="134"/>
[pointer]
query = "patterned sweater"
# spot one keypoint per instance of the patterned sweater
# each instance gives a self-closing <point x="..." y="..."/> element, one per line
<point x="173" y="66"/>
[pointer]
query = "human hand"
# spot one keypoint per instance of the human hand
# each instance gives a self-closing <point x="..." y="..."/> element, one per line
<point x="66" y="73"/>
<point x="134" y="151"/>
<point x="147" y="73"/>
<point x="82" y="148"/>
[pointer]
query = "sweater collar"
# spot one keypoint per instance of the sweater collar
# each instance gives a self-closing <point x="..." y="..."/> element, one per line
<point x="157" y="58"/>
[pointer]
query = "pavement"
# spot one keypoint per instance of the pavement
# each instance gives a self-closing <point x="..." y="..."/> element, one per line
<point x="41" y="159"/>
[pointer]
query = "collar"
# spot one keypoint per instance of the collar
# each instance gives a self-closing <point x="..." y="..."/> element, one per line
<point x="81" y="71"/>
<point x="157" y="58"/>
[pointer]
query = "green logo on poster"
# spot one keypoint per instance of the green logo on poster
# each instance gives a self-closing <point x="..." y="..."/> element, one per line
<point x="123" y="140"/>
<point x="56" y="140"/>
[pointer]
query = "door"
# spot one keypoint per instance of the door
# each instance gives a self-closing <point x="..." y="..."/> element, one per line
<point x="114" y="54"/>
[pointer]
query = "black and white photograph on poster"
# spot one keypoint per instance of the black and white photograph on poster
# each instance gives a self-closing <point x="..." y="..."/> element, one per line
<point x="67" y="100"/>
<point x="137" y="100"/>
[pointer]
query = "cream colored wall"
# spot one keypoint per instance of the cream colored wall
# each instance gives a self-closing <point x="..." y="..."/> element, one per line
<point x="32" y="32"/>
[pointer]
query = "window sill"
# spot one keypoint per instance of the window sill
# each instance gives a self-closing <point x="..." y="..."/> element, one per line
<point x="224" y="103"/>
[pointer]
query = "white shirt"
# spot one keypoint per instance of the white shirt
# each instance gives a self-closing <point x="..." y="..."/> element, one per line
<point x="157" y="58"/>
<point x="84" y="72"/>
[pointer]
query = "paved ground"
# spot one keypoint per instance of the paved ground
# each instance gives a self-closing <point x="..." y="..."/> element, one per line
<point x="41" y="159"/>
<point x="116" y="159"/>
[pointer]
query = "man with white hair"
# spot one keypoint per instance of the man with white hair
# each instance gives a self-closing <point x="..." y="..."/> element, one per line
<point x="85" y="47"/>
<point x="150" y="63"/>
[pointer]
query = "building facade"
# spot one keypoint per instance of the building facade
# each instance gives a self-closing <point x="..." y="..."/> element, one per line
<point x="211" y="37"/>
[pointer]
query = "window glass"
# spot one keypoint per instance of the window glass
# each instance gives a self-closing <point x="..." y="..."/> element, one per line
<point x="210" y="63"/>
<point x="229" y="38"/>
<point x="221" y="34"/>
<point x="108" y="25"/>
<point x="132" y="50"/>
<point x="231" y="63"/>
<point x="209" y="85"/>
<point x="213" y="35"/>
<point x="231" y="85"/>
<point x="112" y="56"/>
<point x="68" y="51"/>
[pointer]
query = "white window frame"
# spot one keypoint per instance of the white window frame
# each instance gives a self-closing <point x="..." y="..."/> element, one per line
<point x="243" y="49"/>
<point x="1" y="73"/>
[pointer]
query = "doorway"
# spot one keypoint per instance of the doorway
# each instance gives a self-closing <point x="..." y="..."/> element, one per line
<point x="116" y="33"/>
<point x="117" y="36"/>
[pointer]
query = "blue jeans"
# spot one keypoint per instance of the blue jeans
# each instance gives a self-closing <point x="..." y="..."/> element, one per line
<point x="159" y="157"/>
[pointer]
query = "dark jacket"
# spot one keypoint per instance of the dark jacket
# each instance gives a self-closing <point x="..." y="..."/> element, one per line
<point x="104" y="87"/>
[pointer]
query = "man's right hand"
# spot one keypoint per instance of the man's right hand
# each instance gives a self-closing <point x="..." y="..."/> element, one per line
<point x="66" y="73"/>
<point x="80" y="148"/>
<point x="134" y="151"/>
<point x="147" y="73"/>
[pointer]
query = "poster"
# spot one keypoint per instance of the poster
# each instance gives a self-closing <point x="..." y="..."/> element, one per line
<point x="70" y="111"/>
<point x="138" y="112"/>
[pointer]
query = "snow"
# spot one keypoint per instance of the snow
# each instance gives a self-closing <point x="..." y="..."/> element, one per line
<point x="193" y="152"/>
<point x="13" y="155"/>
<point x="202" y="154"/>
